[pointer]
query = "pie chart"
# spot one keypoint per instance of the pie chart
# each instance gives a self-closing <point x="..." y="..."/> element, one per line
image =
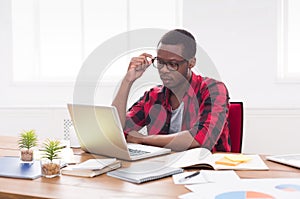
<point x="244" y="195"/>
<point x="288" y="187"/>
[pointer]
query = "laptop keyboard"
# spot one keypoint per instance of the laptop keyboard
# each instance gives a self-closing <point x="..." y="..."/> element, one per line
<point x="135" y="152"/>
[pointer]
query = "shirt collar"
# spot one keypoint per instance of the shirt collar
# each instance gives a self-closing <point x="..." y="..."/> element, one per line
<point x="194" y="81"/>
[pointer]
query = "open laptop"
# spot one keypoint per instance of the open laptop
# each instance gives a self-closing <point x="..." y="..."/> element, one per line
<point x="99" y="131"/>
<point x="288" y="159"/>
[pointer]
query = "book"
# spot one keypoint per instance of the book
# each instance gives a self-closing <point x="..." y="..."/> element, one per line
<point x="144" y="172"/>
<point x="12" y="167"/>
<point x="92" y="167"/>
<point x="204" y="159"/>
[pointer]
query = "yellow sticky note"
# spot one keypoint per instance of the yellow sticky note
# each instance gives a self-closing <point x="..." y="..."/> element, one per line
<point x="237" y="158"/>
<point x="225" y="161"/>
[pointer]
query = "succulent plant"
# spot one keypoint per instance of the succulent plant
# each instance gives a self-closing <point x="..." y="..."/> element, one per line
<point x="50" y="163"/>
<point x="51" y="149"/>
<point x="28" y="139"/>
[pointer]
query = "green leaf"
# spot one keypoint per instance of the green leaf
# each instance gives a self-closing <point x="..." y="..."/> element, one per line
<point x="27" y="139"/>
<point x="51" y="148"/>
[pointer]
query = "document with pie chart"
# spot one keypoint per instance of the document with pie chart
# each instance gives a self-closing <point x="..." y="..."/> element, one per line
<point x="268" y="188"/>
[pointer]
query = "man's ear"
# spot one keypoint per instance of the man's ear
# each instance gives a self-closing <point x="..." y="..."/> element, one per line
<point x="192" y="62"/>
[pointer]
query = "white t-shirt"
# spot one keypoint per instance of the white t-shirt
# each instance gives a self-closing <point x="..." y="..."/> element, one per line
<point x="176" y="119"/>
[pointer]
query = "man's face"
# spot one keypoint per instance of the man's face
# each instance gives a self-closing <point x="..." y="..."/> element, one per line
<point x="172" y="54"/>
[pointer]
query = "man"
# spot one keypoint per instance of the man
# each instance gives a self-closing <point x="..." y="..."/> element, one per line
<point x="187" y="111"/>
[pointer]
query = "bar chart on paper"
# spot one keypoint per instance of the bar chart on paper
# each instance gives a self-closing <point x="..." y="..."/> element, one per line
<point x="244" y="195"/>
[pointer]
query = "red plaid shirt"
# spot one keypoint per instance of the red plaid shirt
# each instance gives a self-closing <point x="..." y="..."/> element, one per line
<point x="205" y="113"/>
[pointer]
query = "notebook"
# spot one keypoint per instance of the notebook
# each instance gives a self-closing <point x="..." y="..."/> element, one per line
<point x="202" y="158"/>
<point x="99" y="131"/>
<point x="92" y="167"/>
<point x="144" y="172"/>
<point x="288" y="159"/>
<point x="12" y="167"/>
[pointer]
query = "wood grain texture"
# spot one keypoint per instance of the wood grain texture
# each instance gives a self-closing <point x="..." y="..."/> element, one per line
<point x="104" y="186"/>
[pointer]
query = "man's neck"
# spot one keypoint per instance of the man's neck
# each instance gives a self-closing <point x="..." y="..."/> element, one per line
<point x="178" y="93"/>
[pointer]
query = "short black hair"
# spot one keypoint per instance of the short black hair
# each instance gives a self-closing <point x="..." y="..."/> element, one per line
<point x="180" y="36"/>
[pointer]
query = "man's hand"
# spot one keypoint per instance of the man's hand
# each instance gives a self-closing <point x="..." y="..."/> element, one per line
<point x="135" y="137"/>
<point x="137" y="66"/>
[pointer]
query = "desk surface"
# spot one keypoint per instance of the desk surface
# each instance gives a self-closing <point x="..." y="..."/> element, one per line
<point x="105" y="186"/>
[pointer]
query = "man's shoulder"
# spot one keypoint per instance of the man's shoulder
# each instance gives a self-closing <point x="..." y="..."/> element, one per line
<point x="205" y="81"/>
<point x="204" y="84"/>
<point x="157" y="89"/>
<point x="210" y="80"/>
<point x="155" y="92"/>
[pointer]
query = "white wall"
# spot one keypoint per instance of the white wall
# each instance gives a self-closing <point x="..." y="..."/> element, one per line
<point x="240" y="36"/>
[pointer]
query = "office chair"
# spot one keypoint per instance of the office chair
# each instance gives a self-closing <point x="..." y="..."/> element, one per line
<point x="236" y="126"/>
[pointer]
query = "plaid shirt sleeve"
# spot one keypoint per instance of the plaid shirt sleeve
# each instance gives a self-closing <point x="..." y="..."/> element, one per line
<point x="150" y="111"/>
<point x="135" y="116"/>
<point x="211" y="128"/>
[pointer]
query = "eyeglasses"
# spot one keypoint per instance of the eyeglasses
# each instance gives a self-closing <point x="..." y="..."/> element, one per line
<point x="171" y="66"/>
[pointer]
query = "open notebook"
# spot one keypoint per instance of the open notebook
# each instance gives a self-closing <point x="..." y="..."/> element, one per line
<point x="288" y="159"/>
<point x="99" y="131"/>
<point x="202" y="158"/>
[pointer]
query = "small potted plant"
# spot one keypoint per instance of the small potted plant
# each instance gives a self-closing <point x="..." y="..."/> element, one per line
<point x="50" y="161"/>
<point x="27" y="141"/>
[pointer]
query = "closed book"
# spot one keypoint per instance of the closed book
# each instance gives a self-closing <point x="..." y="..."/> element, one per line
<point x="144" y="172"/>
<point x="92" y="167"/>
<point x="12" y="167"/>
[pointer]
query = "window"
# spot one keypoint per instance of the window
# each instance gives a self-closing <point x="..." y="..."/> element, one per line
<point x="51" y="38"/>
<point x="289" y="40"/>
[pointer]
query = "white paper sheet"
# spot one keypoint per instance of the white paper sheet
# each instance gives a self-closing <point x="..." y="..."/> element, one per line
<point x="206" y="176"/>
<point x="220" y="176"/>
<point x="279" y="188"/>
<point x="194" y="180"/>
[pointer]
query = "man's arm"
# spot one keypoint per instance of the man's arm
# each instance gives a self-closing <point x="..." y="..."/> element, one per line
<point x="213" y="124"/>
<point x="136" y="68"/>
<point x="177" y="142"/>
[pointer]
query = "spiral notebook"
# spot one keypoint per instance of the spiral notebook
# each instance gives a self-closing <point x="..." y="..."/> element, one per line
<point x="144" y="172"/>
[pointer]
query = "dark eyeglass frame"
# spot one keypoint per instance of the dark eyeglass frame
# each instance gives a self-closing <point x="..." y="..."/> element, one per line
<point x="171" y="66"/>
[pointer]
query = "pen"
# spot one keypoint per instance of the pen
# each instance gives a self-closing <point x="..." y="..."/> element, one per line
<point x="189" y="176"/>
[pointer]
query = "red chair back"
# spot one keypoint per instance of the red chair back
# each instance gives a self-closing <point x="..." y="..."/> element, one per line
<point x="236" y="126"/>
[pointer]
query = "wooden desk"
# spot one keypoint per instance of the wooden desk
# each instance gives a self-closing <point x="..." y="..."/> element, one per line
<point x="107" y="187"/>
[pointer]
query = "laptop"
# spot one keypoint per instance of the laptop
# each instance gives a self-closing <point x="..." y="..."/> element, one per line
<point x="288" y="159"/>
<point x="99" y="131"/>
